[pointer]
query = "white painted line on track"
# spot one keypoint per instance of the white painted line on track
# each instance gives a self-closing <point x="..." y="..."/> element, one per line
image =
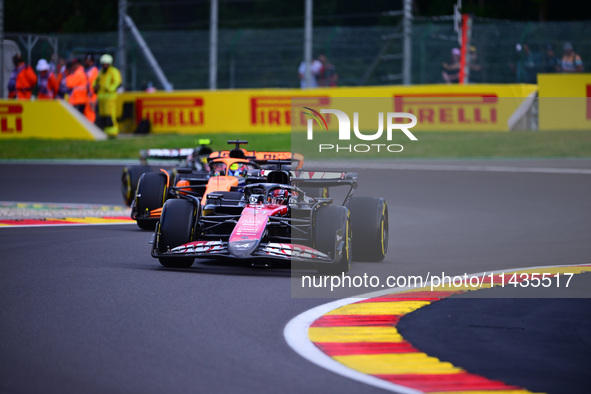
<point x="63" y="224"/>
<point x="446" y="167"/>
<point x="296" y="333"/>
<point x="74" y="162"/>
<point x="339" y="165"/>
<point x="65" y="205"/>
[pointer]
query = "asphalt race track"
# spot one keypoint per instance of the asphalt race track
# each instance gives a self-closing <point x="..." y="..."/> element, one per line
<point x="86" y="309"/>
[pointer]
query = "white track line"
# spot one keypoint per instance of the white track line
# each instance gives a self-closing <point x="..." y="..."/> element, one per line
<point x="73" y="162"/>
<point x="339" y="165"/>
<point x="63" y="205"/>
<point x="377" y="165"/>
<point x="62" y="224"/>
<point x="296" y="334"/>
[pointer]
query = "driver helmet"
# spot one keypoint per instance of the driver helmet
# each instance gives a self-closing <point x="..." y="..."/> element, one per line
<point x="279" y="196"/>
<point x="237" y="169"/>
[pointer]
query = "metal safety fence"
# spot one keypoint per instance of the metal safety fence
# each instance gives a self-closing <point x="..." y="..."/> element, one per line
<point x="508" y="52"/>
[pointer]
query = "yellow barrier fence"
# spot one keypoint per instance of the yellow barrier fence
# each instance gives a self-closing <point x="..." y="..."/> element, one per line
<point x="565" y="101"/>
<point x="48" y="119"/>
<point x="437" y="107"/>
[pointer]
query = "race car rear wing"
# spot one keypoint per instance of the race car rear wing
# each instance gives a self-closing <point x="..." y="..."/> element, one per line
<point x="177" y="153"/>
<point x="324" y="178"/>
<point x="262" y="157"/>
<point x="166" y="154"/>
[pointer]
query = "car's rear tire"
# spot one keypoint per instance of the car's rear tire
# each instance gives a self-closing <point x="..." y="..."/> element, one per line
<point x="332" y="228"/>
<point x="150" y="195"/>
<point x="369" y="224"/>
<point x="129" y="180"/>
<point x="176" y="227"/>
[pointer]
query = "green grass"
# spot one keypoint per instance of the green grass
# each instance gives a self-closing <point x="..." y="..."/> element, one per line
<point x="501" y="145"/>
<point x="466" y="145"/>
<point x="129" y="147"/>
<point x="429" y="145"/>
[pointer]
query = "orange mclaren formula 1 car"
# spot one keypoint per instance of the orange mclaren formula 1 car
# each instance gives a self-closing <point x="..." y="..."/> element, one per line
<point x="190" y="159"/>
<point x="227" y="171"/>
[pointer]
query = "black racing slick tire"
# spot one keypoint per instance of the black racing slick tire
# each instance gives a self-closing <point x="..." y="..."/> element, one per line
<point x="129" y="179"/>
<point x="150" y="195"/>
<point x="369" y="223"/>
<point x="176" y="227"/>
<point x="332" y="235"/>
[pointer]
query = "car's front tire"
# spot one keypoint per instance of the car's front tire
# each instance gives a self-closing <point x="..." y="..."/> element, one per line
<point x="176" y="227"/>
<point x="369" y="223"/>
<point x="332" y="235"/>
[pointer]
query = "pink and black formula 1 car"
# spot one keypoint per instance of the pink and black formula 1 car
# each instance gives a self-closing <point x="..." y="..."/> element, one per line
<point x="275" y="221"/>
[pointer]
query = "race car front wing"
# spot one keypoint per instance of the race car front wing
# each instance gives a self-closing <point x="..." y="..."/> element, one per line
<point x="271" y="250"/>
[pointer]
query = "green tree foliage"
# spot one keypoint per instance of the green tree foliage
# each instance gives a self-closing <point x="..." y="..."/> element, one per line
<point x="80" y="16"/>
<point x="59" y="16"/>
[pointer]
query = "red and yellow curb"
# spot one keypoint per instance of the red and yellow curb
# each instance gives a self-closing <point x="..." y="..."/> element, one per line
<point x="361" y="335"/>
<point x="39" y="214"/>
<point x="66" y="221"/>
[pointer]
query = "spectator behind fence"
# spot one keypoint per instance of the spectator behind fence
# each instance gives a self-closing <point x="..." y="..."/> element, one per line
<point x="327" y="75"/>
<point x="22" y="80"/>
<point x="147" y="86"/>
<point x="571" y="62"/>
<point x="451" y="70"/>
<point x="315" y="67"/>
<point x="77" y="85"/>
<point x="91" y="74"/>
<point x="550" y="63"/>
<point x="475" y="66"/>
<point x="53" y="64"/>
<point x="46" y="82"/>
<point x="106" y="85"/>
<point x="60" y="67"/>
<point x="527" y="65"/>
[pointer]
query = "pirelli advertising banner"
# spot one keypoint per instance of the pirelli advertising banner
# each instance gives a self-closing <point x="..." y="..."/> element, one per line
<point x="564" y="101"/>
<point x="437" y="107"/>
<point x="47" y="119"/>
